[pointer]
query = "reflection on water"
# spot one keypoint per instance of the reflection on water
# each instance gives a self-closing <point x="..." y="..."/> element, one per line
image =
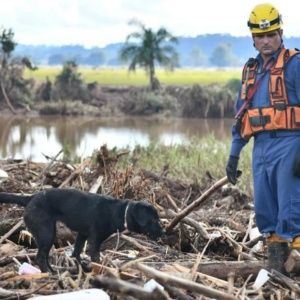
<point x="34" y="137"/>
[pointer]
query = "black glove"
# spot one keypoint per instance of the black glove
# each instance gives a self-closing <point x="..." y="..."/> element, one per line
<point x="231" y="169"/>
<point x="296" y="166"/>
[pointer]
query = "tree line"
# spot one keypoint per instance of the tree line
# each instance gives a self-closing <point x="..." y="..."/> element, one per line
<point x="143" y="48"/>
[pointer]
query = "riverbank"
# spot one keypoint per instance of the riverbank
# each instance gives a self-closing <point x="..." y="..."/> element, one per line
<point x="211" y="101"/>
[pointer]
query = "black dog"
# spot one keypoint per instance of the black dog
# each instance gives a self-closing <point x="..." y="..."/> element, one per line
<point x="95" y="217"/>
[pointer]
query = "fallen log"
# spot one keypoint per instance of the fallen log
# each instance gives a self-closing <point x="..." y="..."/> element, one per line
<point x="285" y="281"/>
<point x="221" y="269"/>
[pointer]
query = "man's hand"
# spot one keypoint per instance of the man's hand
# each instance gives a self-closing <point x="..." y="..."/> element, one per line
<point x="296" y="166"/>
<point x="231" y="168"/>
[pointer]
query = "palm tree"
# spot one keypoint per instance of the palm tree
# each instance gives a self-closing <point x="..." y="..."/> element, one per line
<point x="145" y="47"/>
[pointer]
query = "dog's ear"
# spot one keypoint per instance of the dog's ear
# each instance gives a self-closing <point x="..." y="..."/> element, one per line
<point x="142" y="212"/>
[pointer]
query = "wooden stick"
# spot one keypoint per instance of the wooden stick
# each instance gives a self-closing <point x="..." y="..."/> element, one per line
<point x="172" y="202"/>
<point x="135" y="243"/>
<point x="75" y="173"/>
<point x="53" y="159"/>
<point x="183" y="283"/>
<point x="11" y="231"/>
<point x="95" y="187"/>
<point x="196" y="203"/>
<point x="191" y="222"/>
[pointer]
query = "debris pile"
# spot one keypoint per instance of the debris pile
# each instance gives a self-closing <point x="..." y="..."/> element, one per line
<point x="211" y="247"/>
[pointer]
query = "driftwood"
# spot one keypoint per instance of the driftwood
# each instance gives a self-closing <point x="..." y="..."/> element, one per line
<point x="181" y="271"/>
<point x="4" y="294"/>
<point x="11" y="231"/>
<point x="20" y="257"/>
<point x="127" y="288"/>
<point x="6" y="98"/>
<point x="97" y="184"/>
<point x="196" y="203"/>
<point x="292" y="265"/>
<point x="221" y="269"/>
<point x="74" y="174"/>
<point x="188" y="221"/>
<point x="177" y="293"/>
<point x="164" y="278"/>
<point x="286" y="281"/>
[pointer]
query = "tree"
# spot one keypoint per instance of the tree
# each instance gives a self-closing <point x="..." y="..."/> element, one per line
<point x="7" y="47"/>
<point x="223" y="56"/>
<point x="96" y="58"/>
<point x="12" y="83"/>
<point x="197" y="58"/>
<point x="69" y="82"/>
<point x="145" y="47"/>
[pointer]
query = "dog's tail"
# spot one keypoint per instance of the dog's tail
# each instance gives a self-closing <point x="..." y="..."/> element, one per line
<point x="22" y="200"/>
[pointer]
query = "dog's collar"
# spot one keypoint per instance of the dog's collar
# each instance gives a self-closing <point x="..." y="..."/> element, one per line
<point x="125" y="216"/>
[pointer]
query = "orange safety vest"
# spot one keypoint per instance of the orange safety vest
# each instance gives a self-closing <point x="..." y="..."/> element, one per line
<point x="279" y="115"/>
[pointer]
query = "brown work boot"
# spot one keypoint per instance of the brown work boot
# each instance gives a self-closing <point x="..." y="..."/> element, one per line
<point x="278" y="252"/>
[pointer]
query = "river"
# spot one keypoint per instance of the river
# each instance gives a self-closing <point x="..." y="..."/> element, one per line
<point x="35" y="138"/>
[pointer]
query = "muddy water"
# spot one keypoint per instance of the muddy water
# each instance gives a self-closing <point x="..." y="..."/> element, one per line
<point x="35" y="138"/>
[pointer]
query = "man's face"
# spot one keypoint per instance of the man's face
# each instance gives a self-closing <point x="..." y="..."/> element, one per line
<point x="267" y="43"/>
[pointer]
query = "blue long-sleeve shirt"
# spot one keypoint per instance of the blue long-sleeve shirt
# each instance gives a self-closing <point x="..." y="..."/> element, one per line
<point x="261" y="97"/>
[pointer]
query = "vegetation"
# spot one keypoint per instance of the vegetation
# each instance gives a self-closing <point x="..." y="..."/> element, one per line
<point x="12" y="83"/>
<point x="223" y="56"/>
<point x="145" y="48"/>
<point x="68" y="82"/>
<point x="211" y="100"/>
<point x="120" y="76"/>
<point x="192" y="162"/>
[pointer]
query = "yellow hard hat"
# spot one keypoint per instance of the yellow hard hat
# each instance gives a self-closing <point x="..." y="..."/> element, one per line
<point x="264" y="18"/>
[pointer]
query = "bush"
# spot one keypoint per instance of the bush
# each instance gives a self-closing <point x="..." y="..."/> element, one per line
<point x="67" y="108"/>
<point x="147" y="103"/>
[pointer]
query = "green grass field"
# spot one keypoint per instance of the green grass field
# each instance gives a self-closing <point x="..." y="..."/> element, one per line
<point x="120" y="76"/>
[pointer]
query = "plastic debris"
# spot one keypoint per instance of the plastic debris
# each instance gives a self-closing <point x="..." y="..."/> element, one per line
<point x="28" y="269"/>
<point x="151" y="285"/>
<point x="261" y="279"/>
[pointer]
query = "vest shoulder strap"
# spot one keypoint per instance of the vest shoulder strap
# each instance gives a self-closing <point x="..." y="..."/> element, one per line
<point x="284" y="56"/>
<point x="277" y="88"/>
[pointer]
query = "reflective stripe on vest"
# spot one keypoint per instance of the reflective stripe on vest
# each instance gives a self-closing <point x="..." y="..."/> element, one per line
<point x="279" y="115"/>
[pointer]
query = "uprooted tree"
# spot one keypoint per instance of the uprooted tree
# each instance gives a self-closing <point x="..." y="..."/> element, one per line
<point x="15" y="89"/>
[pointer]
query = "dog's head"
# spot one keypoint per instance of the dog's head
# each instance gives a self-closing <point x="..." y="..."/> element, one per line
<point x="143" y="218"/>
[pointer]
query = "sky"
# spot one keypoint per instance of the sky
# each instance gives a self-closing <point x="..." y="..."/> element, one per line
<point x="100" y="22"/>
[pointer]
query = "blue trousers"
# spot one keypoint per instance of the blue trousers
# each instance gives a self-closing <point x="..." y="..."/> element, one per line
<point x="276" y="189"/>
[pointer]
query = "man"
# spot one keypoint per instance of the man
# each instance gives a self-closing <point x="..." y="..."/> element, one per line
<point x="268" y="108"/>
